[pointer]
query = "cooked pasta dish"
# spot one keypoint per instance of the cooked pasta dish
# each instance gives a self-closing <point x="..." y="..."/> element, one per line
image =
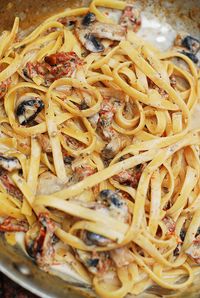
<point x="99" y="161"/>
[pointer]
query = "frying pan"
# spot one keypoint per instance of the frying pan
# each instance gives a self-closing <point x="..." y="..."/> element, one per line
<point x="161" y="20"/>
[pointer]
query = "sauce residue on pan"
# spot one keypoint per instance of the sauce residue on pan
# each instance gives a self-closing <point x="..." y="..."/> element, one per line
<point x="32" y="12"/>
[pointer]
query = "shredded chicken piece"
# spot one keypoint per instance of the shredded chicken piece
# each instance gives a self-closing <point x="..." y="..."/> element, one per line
<point x="10" y="187"/>
<point x="108" y="31"/>
<point x="194" y="250"/>
<point x="121" y="256"/>
<point x="161" y="91"/>
<point x="104" y="126"/>
<point x="83" y="171"/>
<point x="4" y="87"/>
<point x="130" y="177"/>
<point x="49" y="183"/>
<point x="170" y="224"/>
<point x="130" y="18"/>
<point x="44" y="142"/>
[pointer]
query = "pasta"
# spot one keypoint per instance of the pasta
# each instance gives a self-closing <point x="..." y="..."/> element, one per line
<point x="99" y="162"/>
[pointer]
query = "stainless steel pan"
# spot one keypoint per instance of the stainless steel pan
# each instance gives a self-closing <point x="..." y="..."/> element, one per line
<point x="161" y="20"/>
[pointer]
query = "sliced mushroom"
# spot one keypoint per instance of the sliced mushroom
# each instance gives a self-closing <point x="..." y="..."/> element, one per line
<point x="192" y="56"/>
<point x="68" y="160"/>
<point x="182" y="234"/>
<point x="89" y="41"/>
<point x="191" y="43"/>
<point x="94" y="262"/>
<point x="85" y="35"/>
<point x="89" y="32"/>
<point x="9" y="163"/>
<point x="110" y="197"/>
<point x="88" y="19"/>
<point x="177" y="250"/>
<point x="28" y="107"/>
<point x="91" y="238"/>
<point x="117" y="207"/>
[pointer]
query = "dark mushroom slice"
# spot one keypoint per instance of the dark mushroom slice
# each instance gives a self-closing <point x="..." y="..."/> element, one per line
<point x="68" y="160"/>
<point x="9" y="163"/>
<point x="89" y="41"/>
<point x="114" y="203"/>
<point x="192" y="56"/>
<point x="88" y="19"/>
<point x="91" y="238"/>
<point x="177" y="250"/>
<point x="95" y="263"/>
<point x="90" y="31"/>
<point x="28" y="107"/>
<point x="183" y="233"/>
<point x="110" y="197"/>
<point x="86" y="37"/>
<point x="93" y="44"/>
<point x="191" y="43"/>
<point x="86" y="258"/>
